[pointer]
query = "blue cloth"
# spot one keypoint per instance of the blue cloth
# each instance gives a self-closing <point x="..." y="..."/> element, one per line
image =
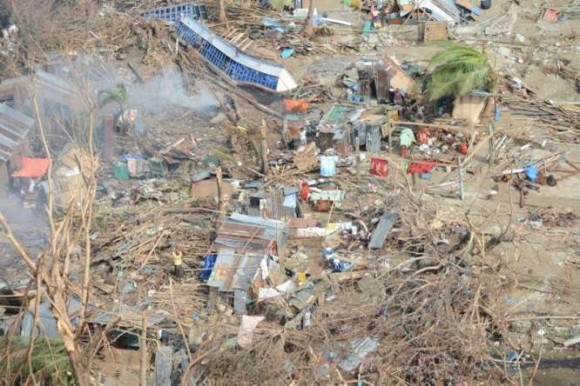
<point x="208" y="265"/>
<point x="286" y="53"/>
<point x="126" y="157"/>
<point x="531" y="173"/>
<point x="340" y="266"/>
<point x="497" y="113"/>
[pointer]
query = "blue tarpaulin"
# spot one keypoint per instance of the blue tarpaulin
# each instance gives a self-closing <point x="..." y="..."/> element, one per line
<point x="208" y="265"/>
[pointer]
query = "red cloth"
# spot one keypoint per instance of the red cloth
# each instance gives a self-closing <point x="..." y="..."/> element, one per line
<point x="421" y="167"/>
<point x="32" y="167"/>
<point x="304" y="191"/>
<point x="423" y="137"/>
<point x="379" y="167"/>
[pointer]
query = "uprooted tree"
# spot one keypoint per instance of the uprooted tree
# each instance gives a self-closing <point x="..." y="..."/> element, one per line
<point x="459" y="70"/>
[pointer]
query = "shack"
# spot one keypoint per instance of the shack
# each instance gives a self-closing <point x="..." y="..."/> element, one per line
<point x="470" y="107"/>
<point x="247" y="247"/>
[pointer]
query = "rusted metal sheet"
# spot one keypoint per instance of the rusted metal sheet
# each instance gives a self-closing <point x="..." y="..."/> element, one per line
<point x="274" y="208"/>
<point x="234" y="271"/>
<point x="251" y="234"/>
<point x="382" y="230"/>
<point x="14" y="126"/>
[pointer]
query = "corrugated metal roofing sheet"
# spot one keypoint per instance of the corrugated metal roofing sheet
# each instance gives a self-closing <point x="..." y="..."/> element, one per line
<point x="251" y="234"/>
<point x="274" y="206"/>
<point x="234" y="272"/>
<point x="14" y="126"/>
<point x="382" y="230"/>
<point x="441" y="10"/>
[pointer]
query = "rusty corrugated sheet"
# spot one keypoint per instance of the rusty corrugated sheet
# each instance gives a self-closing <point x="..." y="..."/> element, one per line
<point x="243" y="238"/>
<point x="274" y="207"/>
<point x="234" y="271"/>
<point x="14" y="126"/>
<point x="251" y="234"/>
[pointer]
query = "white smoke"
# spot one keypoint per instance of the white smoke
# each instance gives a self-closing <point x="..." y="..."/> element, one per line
<point x="168" y="91"/>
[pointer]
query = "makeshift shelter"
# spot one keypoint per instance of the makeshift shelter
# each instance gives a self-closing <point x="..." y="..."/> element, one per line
<point x="243" y="244"/>
<point x="333" y="131"/>
<point x="470" y="107"/>
<point x="32" y="168"/>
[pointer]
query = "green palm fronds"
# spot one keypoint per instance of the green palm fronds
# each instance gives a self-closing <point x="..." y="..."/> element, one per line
<point x="118" y="95"/>
<point x="457" y="71"/>
<point x="49" y="363"/>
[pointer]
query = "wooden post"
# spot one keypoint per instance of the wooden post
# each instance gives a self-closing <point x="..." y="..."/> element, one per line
<point x="357" y="149"/>
<point x="390" y="132"/>
<point x="219" y="181"/>
<point x="143" y="348"/>
<point x="460" y="170"/>
<point x="264" y="148"/>
<point x="491" y="143"/>
<point x="108" y="138"/>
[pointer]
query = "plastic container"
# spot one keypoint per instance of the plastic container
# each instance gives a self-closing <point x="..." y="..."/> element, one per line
<point x="327" y="165"/>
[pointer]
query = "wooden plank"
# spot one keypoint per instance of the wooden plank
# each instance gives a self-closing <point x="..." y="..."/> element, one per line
<point x="435" y="30"/>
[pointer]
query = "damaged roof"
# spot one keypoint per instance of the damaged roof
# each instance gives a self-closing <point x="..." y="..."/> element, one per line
<point x="14" y="126"/>
<point x="251" y="234"/>
<point x="274" y="206"/>
<point x="440" y="10"/>
<point x="54" y="87"/>
<point x="234" y="271"/>
<point x="398" y="78"/>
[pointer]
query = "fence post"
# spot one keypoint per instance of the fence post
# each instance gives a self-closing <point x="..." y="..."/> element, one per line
<point x="461" y="187"/>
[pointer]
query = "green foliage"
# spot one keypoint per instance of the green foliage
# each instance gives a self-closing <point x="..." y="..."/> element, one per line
<point x="118" y="95"/>
<point x="223" y="155"/>
<point x="49" y="363"/>
<point x="457" y="71"/>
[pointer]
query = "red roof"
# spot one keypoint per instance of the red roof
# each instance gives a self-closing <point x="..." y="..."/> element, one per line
<point x="32" y="167"/>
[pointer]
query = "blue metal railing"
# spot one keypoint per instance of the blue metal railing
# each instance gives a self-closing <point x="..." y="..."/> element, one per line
<point x="233" y="69"/>
<point x="195" y="9"/>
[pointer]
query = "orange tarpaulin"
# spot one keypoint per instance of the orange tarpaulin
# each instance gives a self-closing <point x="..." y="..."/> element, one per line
<point x="296" y="105"/>
<point x="32" y="167"/>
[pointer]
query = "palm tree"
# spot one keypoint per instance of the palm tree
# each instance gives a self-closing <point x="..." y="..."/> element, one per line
<point x="308" y="29"/>
<point x="459" y="70"/>
<point x="117" y="95"/>
<point x="222" y="17"/>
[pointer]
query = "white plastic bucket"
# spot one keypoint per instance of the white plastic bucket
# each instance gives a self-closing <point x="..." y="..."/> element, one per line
<point x="327" y="165"/>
